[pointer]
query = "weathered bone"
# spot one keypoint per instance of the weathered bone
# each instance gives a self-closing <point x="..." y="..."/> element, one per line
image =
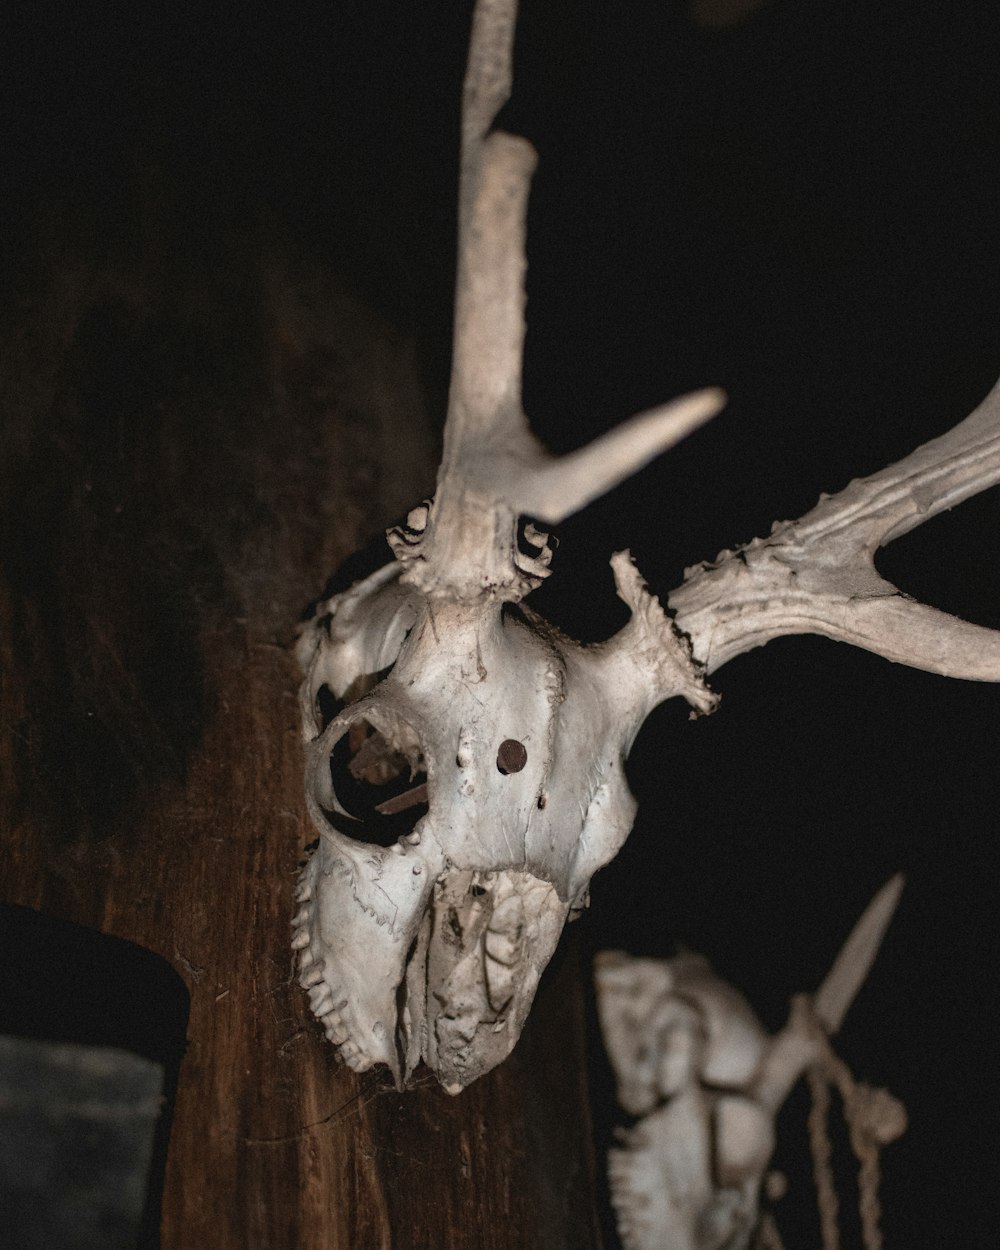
<point x="493" y="469"/>
<point x="817" y="575"/>
<point x="692" y="1060"/>
<point x="522" y="734"/>
<point x="465" y="760"/>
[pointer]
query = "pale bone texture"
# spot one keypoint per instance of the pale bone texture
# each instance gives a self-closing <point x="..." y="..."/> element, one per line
<point x="464" y="760"/>
<point x="706" y="1080"/>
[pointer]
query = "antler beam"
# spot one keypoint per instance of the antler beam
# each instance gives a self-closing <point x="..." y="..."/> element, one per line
<point x="493" y="469"/>
<point x="817" y="575"/>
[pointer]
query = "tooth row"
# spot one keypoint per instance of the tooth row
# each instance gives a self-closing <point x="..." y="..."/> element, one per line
<point x="311" y="974"/>
<point x="330" y="1014"/>
<point x="335" y="1029"/>
<point x="321" y="999"/>
<point x="334" y="1026"/>
<point x="350" y="1051"/>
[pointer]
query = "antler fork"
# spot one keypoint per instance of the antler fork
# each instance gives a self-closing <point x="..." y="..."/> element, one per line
<point x="817" y="575"/>
<point x="493" y="469"/>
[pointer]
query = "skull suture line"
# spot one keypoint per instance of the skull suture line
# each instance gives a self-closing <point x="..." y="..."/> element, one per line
<point x="464" y="759"/>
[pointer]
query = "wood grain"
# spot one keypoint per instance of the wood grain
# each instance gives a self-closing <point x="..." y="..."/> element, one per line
<point x="191" y="449"/>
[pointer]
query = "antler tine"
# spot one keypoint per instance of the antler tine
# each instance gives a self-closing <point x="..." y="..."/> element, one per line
<point x="563" y="485"/>
<point x="817" y="575"/>
<point x="496" y="174"/>
<point x="493" y="469"/>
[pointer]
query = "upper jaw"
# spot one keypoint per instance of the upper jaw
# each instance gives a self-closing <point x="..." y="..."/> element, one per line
<point x="448" y="981"/>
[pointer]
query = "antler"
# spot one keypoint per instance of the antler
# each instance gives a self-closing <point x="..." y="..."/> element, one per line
<point x="493" y="469"/>
<point x="817" y="575"/>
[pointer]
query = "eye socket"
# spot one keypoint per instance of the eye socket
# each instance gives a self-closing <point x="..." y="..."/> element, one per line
<point x="511" y="757"/>
<point x="382" y="784"/>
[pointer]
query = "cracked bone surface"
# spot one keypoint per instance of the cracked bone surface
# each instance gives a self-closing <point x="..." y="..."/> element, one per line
<point x="464" y="760"/>
<point x="706" y="1080"/>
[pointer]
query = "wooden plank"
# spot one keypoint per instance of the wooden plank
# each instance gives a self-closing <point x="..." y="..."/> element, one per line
<point x="187" y="459"/>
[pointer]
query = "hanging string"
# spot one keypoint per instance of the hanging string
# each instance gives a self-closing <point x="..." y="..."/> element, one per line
<point x="874" y="1118"/>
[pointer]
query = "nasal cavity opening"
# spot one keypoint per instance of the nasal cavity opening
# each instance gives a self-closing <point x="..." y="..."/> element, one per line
<point x="380" y="780"/>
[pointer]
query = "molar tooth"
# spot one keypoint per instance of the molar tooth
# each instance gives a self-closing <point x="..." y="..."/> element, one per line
<point x="320" y="999"/>
<point x="336" y="1031"/>
<point x="412" y="838"/>
<point x="304" y="892"/>
<point x="301" y="916"/>
<point x="300" y="940"/>
<point x="311" y="977"/>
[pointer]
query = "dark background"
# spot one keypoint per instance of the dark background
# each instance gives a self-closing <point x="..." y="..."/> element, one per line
<point x="800" y="208"/>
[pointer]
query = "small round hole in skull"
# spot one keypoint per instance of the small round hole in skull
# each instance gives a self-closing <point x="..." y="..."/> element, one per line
<point x="511" y="757"/>
<point x="379" y="781"/>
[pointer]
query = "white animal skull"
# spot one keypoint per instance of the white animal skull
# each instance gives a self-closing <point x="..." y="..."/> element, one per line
<point x="692" y="1060"/>
<point x="466" y="800"/>
<point x="464" y="759"/>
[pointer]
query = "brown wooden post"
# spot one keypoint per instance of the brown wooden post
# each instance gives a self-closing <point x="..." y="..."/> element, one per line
<point x="186" y="462"/>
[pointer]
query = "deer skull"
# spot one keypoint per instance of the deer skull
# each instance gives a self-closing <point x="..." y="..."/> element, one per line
<point x="706" y="1081"/>
<point x="464" y="760"/>
<point x="466" y="799"/>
